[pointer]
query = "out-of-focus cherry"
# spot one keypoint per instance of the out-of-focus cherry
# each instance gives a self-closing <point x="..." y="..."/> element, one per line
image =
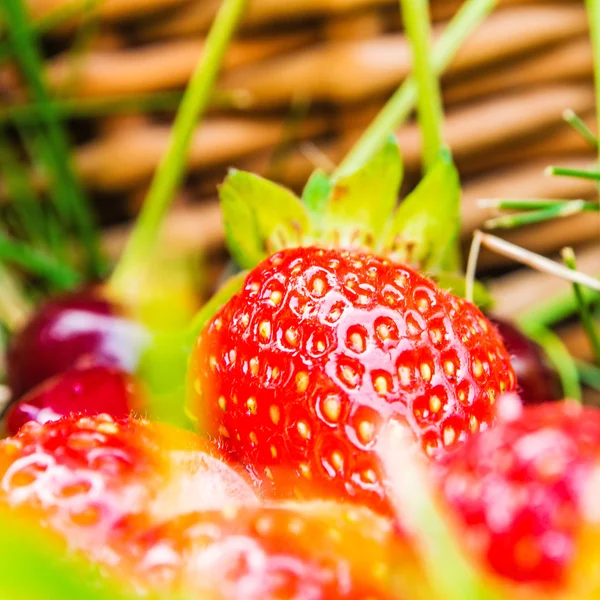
<point x="537" y="379"/>
<point x="89" y="391"/>
<point x="79" y="329"/>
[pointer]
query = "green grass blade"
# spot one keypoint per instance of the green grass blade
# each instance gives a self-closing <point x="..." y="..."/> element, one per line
<point x="37" y="262"/>
<point x="57" y="157"/>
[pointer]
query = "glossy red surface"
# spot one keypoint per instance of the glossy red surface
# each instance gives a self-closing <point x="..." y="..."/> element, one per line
<point x="518" y="490"/>
<point x="88" y="391"/>
<point x="300" y="368"/>
<point x="75" y="330"/>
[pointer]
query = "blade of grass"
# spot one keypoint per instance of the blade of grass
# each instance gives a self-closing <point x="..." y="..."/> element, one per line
<point x="559" y="356"/>
<point x="143" y="239"/>
<point x="532" y="204"/>
<point x="578" y="173"/>
<point x="417" y="24"/>
<point x="585" y="314"/>
<point x="23" y="199"/>
<point x="72" y="199"/>
<point x="400" y="105"/>
<point x="558" y="308"/>
<point x="37" y="262"/>
<point x="558" y="211"/>
<point x="579" y="125"/>
<point x="589" y="374"/>
<point x="593" y="10"/>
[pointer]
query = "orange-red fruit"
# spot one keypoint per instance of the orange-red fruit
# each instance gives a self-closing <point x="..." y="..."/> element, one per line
<point x="85" y="477"/>
<point x="293" y="552"/>
<point x="526" y="492"/>
<point x="299" y="369"/>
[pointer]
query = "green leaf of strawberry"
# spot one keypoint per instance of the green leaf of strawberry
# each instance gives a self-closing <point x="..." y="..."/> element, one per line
<point x="425" y="228"/>
<point x="315" y="194"/>
<point x="260" y="217"/>
<point x="360" y="205"/>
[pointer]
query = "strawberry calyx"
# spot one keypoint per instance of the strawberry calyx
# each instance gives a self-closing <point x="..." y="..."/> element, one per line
<point x="356" y="212"/>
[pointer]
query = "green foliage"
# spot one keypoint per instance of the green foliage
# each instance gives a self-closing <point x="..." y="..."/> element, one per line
<point x="424" y="230"/>
<point x="260" y="217"/>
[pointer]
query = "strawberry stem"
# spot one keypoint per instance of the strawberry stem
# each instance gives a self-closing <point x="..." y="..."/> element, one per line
<point x="399" y="106"/>
<point x="429" y="102"/>
<point x="585" y="314"/>
<point x="579" y="125"/>
<point x="196" y="99"/>
<point x="450" y="573"/>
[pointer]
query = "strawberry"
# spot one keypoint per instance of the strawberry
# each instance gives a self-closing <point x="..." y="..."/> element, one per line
<point x="84" y="477"/>
<point x="290" y="552"/>
<point x="520" y="492"/>
<point x="301" y="367"/>
<point x="88" y="391"/>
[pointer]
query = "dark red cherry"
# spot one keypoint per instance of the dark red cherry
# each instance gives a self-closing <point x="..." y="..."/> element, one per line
<point x="79" y="329"/>
<point x="537" y="379"/>
<point x="89" y="391"/>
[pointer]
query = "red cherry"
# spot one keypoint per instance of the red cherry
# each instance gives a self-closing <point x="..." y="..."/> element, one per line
<point x="89" y="391"/>
<point x="537" y="380"/>
<point x="83" y="328"/>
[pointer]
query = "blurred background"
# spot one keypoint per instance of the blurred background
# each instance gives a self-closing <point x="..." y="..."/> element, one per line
<point x="300" y="83"/>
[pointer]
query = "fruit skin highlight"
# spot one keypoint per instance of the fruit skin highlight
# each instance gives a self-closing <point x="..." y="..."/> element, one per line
<point x="521" y="495"/>
<point x="80" y="329"/>
<point x="90" y="480"/>
<point x="321" y="550"/>
<point x="295" y="374"/>
<point x="87" y="391"/>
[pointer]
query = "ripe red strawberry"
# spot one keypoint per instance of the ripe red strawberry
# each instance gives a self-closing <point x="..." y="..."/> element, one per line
<point x="84" y="477"/>
<point x="520" y="492"/>
<point x="301" y="367"/>
<point x="293" y="552"/>
<point x="88" y="391"/>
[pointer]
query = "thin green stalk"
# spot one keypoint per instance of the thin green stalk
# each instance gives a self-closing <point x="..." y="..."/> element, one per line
<point x="71" y="194"/>
<point x="86" y="108"/>
<point x="580" y="126"/>
<point x="537" y="204"/>
<point x="38" y="263"/>
<point x="399" y="106"/>
<point x="579" y="173"/>
<point x="142" y="242"/>
<point x="23" y="199"/>
<point x="589" y="374"/>
<point x="593" y="9"/>
<point x="559" y="356"/>
<point x="557" y="308"/>
<point x="417" y="24"/>
<point x="537" y="216"/>
<point x="585" y="314"/>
